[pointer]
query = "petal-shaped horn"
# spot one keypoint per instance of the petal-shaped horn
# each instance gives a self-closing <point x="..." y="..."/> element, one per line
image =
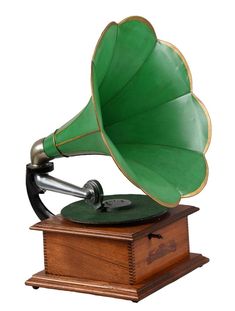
<point x="143" y="113"/>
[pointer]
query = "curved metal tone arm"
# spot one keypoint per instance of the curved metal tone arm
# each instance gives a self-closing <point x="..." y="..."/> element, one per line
<point x="47" y="182"/>
<point x="38" y="181"/>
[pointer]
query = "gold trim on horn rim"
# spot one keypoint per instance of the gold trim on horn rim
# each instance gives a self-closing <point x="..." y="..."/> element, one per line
<point x="139" y="18"/>
<point x="173" y="47"/>
<point x="203" y="184"/>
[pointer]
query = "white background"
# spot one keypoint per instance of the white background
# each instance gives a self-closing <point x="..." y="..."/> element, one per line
<point x="45" y="53"/>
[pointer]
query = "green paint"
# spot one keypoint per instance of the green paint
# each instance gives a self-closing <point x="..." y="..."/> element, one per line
<point x="153" y="126"/>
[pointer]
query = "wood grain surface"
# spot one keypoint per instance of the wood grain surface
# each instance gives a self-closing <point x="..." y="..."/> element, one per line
<point x="127" y="262"/>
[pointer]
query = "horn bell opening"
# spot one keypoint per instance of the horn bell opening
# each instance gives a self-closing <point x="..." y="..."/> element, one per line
<point x="154" y="127"/>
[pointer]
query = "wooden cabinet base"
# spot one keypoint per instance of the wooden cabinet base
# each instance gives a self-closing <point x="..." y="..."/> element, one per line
<point x="123" y="262"/>
<point x="123" y="291"/>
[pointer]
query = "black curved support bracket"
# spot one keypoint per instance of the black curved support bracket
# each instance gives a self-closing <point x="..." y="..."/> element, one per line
<point x="33" y="191"/>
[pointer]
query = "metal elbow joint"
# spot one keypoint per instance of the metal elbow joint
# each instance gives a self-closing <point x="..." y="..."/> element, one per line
<point x="37" y="154"/>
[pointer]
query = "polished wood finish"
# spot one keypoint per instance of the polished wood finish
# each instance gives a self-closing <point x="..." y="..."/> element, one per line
<point x="154" y="255"/>
<point x="130" y="292"/>
<point x="127" y="262"/>
<point x="58" y="224"/>
<point x="86" y="257"/>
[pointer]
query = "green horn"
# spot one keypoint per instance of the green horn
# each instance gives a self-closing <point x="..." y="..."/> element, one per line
<point x="143" y="113"/>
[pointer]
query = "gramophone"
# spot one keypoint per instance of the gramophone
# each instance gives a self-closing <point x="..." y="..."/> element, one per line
<point x="144" y="115"/>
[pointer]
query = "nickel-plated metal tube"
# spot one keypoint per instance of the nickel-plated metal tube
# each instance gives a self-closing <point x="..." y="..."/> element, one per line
<point x="47" y="182"/>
